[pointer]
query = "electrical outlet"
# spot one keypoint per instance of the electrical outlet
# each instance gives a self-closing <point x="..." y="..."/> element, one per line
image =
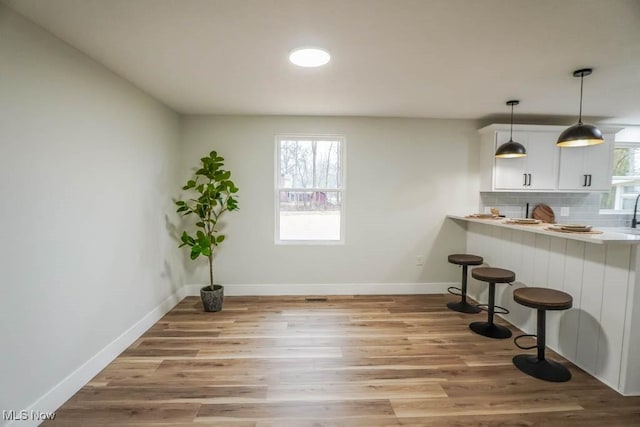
<point x="564" y="211"/>
<point x="420" y="260"/>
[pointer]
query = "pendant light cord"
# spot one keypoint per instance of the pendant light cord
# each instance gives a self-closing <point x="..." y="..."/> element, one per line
<point x="581" y="85"/>
<point x="511" y="128"/>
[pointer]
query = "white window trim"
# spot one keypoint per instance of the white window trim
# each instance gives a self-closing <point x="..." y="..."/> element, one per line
<point x="342" y="189"/>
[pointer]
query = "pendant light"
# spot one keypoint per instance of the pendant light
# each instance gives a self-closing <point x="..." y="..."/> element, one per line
<point x="580" y="134"/>
<point x="511" y="148"/>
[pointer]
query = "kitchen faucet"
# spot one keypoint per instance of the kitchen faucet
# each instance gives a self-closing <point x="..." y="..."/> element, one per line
<point x="634" y="221"/>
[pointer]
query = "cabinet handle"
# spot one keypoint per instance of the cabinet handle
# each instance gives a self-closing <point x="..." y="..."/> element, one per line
<point x="524" y="184"/>
<point x="585" y="181"/>
<point x="529" y="179"/>
<point x="589" y="183"/>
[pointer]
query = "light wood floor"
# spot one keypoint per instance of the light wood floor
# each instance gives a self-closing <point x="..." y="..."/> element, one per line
<point x="350" y="361"/>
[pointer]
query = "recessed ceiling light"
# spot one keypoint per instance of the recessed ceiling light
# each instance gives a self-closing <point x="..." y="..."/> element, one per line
<point x="309" y="57"/>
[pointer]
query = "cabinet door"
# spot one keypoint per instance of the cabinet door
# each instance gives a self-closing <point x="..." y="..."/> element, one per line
<point x="536" y="171"/>
<point x="572" y="175"/>
<point x="509" y="174"/>
<point x="598" y="164"/>
<point x="586" y="168"/>
<point x="542" y="160"/>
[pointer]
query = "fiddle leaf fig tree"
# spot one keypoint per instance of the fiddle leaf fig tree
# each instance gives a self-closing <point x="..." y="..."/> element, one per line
<point x="213" y="195"/>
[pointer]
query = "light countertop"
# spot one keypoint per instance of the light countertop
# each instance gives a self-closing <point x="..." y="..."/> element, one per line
<point x="609" y="234"/>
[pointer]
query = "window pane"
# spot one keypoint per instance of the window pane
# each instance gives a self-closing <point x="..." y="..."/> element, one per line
<point x="310" y="164"/>
<point x="626" y="161"/>
<point x="296" y="164"/>
<point x="310" y="215"/>
<point x="327" y="171"/>
<point x="625" y="182"/>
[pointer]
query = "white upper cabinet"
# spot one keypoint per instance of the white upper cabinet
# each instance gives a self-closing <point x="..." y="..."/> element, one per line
<point x="587" y="168"/>
<point x="538" y="171"/>
<point x="546" y="166"/>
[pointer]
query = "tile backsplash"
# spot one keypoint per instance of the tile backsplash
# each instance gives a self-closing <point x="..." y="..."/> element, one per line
<point x="583" y="207"/>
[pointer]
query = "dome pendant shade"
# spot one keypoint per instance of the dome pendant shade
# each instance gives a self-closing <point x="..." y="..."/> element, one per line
<point x="511" y="149"/>
<point x="580" y="134"/>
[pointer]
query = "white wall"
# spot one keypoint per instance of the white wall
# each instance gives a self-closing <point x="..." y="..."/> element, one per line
<point x="403" y="177"/>
<point x="88" y="164"/>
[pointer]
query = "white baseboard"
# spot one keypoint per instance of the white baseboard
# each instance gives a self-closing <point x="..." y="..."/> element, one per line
<point x="328" y="289"/>
<point x="66" y="388"/>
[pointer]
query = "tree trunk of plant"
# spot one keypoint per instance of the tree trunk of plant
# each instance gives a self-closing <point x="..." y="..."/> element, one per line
<point x="211" y="271"/>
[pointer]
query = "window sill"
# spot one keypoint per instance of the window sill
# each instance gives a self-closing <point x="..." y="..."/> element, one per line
<point x="309" y="242"/>
<point x="615" y="212"/>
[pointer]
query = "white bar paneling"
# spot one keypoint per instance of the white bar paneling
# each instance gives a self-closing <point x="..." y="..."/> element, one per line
<point x="555" y="280"/>
<point x="589" y="328"/>
<point x="629" y="372"/>
<point x="572" y="284"/>
<point x="614" y="295"/>
<point x="541" y="261"/>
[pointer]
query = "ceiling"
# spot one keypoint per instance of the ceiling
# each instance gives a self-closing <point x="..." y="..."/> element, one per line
<point x="396" y="58"/>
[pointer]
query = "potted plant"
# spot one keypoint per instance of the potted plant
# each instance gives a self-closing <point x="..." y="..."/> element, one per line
<point x="214" y="194"/>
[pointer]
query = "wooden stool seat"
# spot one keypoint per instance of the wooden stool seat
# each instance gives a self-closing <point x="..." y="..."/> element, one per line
<point x="538" y="366"/>
<point x="543" y="298"/>
<point x="493" y="275"/>
<point x="465" y="259"/>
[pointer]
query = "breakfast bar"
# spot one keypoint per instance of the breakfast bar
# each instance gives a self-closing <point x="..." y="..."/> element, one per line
<point x="599" y="269"/>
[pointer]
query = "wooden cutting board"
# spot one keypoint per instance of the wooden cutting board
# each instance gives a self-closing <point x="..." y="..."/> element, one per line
<point x="544" y="213"/>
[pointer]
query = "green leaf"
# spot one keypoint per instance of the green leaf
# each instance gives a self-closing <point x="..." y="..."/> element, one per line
<point x="200" y="224"/>
<point x="213" y="154"/>
<point x="220" y="238"/>
<point x="204" y="241"/>
<point x="206" y="251"/>
<point x="232" y="204"/>
<point x="199" y="234"/>
<point x="195" y="251"/>
<point x="182" y="209"/>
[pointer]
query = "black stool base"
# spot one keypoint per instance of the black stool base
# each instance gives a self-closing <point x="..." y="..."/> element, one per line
<point x="490" y="330"/>
<point x="463" y="307"/>
<point x="547" y="370"/>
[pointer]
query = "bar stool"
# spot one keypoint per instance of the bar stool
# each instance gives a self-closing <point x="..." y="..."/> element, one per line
<point x="465" y="260"/>
<point x="492" y="276"/>
<point x="542" y="299"/>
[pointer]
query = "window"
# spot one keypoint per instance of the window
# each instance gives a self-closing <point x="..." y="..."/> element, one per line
<point x="309" y="189"/>
<point x="625" y="180"/>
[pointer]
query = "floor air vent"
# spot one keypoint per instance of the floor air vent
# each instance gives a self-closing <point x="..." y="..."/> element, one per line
<point x="316" y="299"/>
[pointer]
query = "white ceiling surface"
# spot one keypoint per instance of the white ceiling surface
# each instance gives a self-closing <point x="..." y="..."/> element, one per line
<point x="398" y="58"/>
